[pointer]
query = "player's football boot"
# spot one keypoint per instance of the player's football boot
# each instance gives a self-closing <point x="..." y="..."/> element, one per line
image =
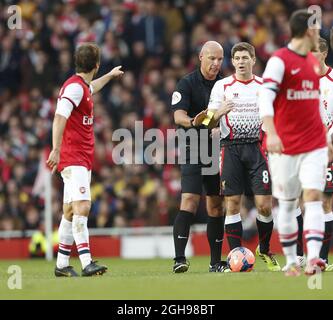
<point x="292" y="270"/>
<point x="269" y="259"/>
<point x="314" y="265"/>
<point x="65" y="272"/>
<point x="221" y="266"/>
<point x="93" y="269"/>
<point x="328" y="267"/>
<point x="301" y="260"/>
<point x="181" y="266"/>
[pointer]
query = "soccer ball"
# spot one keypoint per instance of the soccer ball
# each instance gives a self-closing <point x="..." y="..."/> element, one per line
<point x="241" y="259"/>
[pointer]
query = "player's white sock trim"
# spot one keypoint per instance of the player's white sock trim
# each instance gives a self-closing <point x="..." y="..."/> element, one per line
<point x="265" y="219"/>
<point x="233" y="219"/>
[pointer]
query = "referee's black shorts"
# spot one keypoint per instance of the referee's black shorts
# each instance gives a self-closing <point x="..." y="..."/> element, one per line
<point x="244" y="168"/>
<point x="192" y="180"/>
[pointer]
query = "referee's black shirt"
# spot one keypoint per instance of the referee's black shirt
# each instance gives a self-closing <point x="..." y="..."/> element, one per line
<point x="192" y="93"/>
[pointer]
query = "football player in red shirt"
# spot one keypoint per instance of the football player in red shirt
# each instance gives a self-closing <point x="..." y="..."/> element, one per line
<point x="296" y="140"/>
<point x="72" y="156"/>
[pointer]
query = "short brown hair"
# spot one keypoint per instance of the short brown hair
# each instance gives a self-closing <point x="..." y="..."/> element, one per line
<point x="243" y="46"/>
<point x="323" y="45"/>
<point x="299" y="23"/>
<point x="86" y="57"/>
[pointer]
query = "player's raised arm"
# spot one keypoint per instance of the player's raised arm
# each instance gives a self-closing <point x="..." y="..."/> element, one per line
<point x="99" y="83"/>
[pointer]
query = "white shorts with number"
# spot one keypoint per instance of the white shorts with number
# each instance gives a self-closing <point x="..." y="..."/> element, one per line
<point x="291" y="174"/>
<point x="76" y="183"/>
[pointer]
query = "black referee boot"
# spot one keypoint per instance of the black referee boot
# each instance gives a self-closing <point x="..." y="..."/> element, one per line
<point x="221" y="266"/>
<point x="181" y="265"/>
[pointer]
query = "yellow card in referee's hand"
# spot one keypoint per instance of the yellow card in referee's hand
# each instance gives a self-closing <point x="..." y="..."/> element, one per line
<point x="208" y="117"/>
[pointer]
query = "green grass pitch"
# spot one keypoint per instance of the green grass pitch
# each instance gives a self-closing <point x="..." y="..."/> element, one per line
<point x="153" y="280"/>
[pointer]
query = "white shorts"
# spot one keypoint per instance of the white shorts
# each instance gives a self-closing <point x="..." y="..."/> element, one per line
<point x="291" y="174"/>
<point x="76" y="183"/>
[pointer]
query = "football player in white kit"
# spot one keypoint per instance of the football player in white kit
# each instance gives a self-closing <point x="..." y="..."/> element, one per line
<point x="243" y="163"/>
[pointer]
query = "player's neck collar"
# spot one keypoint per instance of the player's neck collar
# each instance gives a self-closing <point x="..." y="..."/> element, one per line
<point x="327" y="72"/>
<point x="84" y="81"/>
<point x="289" y="47"/>
<point x="244" y="81"/>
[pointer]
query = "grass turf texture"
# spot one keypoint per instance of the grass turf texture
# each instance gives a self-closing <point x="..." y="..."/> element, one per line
<point x="153" y="280"/>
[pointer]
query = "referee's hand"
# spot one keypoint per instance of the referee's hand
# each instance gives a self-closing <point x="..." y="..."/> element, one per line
<point x="197" y="121"/>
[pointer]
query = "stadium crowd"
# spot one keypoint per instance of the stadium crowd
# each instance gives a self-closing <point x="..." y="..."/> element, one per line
<point x="156" y="42"/>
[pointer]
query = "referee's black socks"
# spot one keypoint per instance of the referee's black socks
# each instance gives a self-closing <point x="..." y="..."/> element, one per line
<point x="181" y="232"/>
<point x="215" y="233"/>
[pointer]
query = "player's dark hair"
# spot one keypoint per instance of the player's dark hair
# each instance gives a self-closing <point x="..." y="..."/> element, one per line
<point x="299" y="23"/>
<point x="243" y="46"/>
<point x="86" y="57"/>
<point x="323" y="45"/>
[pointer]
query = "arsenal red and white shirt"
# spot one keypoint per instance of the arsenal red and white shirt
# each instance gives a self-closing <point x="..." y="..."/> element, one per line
<point x="297" y="117"/>
<point x="77" y="146"/>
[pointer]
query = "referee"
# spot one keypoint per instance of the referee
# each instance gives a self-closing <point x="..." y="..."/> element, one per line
<point x="189" y="103"/>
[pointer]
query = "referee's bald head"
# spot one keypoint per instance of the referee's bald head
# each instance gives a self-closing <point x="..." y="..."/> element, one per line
<point x="211" y="58"/>
<point x="210" y="46"/>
